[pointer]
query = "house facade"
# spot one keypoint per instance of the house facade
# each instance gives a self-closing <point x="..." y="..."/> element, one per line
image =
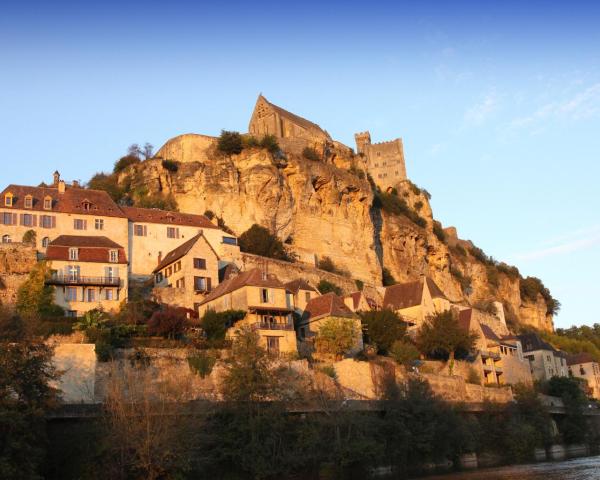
<point x="545" y="361"/>
<point x="87" y="273"/>
<point x="359" y="302"/>
<point x="302" y="293"/>
<point x="583" y="365"/>
<point x="267" y="304"/>
<point x="188" y="273"/>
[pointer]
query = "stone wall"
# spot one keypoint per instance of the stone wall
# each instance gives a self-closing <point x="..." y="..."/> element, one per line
<point x="16" y="261"/>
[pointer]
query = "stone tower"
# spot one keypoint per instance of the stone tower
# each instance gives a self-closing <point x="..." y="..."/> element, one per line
<point x="384" y="161"/>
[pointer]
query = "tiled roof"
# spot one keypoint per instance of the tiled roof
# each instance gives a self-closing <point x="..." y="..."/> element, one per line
<point x="71" y="201"/>
<point x="295" y="285"/>
<point x="181" y="251"/>
<point x="292" y="117"/>
<point x="489" y="334"/>
<point x="578" y="358"/>
<point x="252" y="277"/>
<point x="464" y="319"/>
<point x="355" y="296"/>
<point x="532" y="342"/>
<point x="90" y="249"/>
<point x="403" y="295"/>
<point x="154" y="215"/>
<point x="326" y="305"/>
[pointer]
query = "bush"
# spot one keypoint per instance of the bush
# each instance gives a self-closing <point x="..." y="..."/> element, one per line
<point x="326" y="263"/>
<point x="418" y="205"/>
<point x="458" y="250"/>
<point x="359" y="284"/>
<point x="215" y="324"/>
<point x="336" y="336"/>
<point x="387" y="278"/>
<point x="259" y="241"/>
<point x="325" y="286"/>
<point x="168" y="323"/>
<point x="530" y="287"/>
<point x="157" y="201"/>
<point x="397" y="206"/>
<point x="492" y="276"/>
<point x="329" y="370"/>
<point x="209" y="214"/>
<point x="230" y="143"/>
<point x="480" y="256"/>
<point x="269" y="142"/>
<point x="404" y="352"/>
<point x="35" y="298"/>
<point x="383" y="328"/>
<point x="473" y="377"/>
<point x="201" y="363"/>
<point x="109" y="184"/>
<point x="438" y="231"/>
<point x="170" y="165"/>
<point x="125" y="162"/>
<point x="311" y="154"/>
<point x="250" y="141"/>
<point x="358" y="172"/>
<point x="29" y="237"/>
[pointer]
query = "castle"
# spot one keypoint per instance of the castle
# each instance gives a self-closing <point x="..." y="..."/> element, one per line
<point x="384" y="162"/>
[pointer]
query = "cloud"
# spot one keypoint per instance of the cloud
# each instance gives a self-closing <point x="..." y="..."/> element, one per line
<point x="567" y="244"/>
<point x="583" y="104"/>
<point x="480" y="112"/>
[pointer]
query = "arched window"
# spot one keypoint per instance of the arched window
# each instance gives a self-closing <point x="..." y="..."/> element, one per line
<point x="6" y="239"/>
<point x="45" y="242"/>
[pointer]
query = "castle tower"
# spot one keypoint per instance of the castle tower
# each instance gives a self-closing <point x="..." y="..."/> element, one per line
<point x="384" y="161"/>
<point x="362" y="139"/>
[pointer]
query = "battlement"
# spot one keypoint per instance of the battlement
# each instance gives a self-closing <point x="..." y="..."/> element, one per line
<point x="383" y="160"/>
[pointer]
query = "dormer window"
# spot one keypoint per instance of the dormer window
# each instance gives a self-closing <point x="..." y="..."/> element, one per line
<point x="86" y="205"/>
<point x="113" y="256"/>
<point x="8" y="200"/>
<point x="48" y="203"/>
<point x="73" y="254"/>
<point x="28" y="202"/>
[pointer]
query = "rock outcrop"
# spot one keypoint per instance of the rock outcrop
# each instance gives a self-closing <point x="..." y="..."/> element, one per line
<point x="16" y="261"/>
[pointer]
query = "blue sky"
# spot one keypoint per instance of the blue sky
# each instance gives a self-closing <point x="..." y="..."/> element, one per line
<point x="498" y="105"/>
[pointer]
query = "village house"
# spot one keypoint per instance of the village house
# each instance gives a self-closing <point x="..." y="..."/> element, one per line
<point x="153" y="233"/>
<point x="583" y="365"/>
<point x="87" y="273"/>
<point x="267" y="304"/>
<point x="301" y="293"/>
<point x="545" y="361"/>
<point x="187" y="274"/>
<point x="322" y="309"/>
<point x="415" y="301"/>
<point x="59" y="209"/>
<point x="359" y="302"/>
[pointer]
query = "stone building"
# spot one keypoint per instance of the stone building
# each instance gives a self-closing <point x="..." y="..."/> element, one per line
<point x="384" y="161"/>
<point x="545" y="361"/>
<point x="187" y="274"/>
<point x="87" y="273"/>
<point x="583" y="365"/>
<point x="301" y="293"/>
<point x="359" y="302"/>
<point x="267" y="304"/>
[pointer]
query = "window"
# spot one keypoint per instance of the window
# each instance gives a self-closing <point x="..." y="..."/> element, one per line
<point x="200" y="263"/>
<point x="201" y="284"/>
<point x="177" y="267"/>
<point x="273" y="345"/>
<point x="307" y="296"/>
<point x="180" y="283"/>
<point x="28" y="202"/>
<point x="71" y="313"/>
<point x="46" y="221"/>
<point x="6" y="239"/>
<point x="264" y="295"/>
<point x="99" y="224"/>
<point x="168" y="272"/>
<point x="27" y="219"/>
<point x="73" y="254"/>
<point x="230" y="240"/>
<point x="8" y="200"/>
<point x="73" y="273"/>
<point x="109" y="294"/>
<point x="79" y="224"/>
<point x="91" y="295"/>
<point x="45" y="242"/>
<point x="110" y="273"/>
<point x="9" y="218"/>
<point x="140" y="230"/>
<point x="87" y="206"/>
<point x="113" y="256"/>
<point x="172" y="232"/>
<point x="71" y="294"/>
<point x="581" y="370"/>
<point x="159" y="277"/>
<point x="47" y="203"/>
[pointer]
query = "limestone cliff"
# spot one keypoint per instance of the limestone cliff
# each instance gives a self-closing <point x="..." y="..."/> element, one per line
<point x="16" y="261"/>
<point x="328" y="208"/>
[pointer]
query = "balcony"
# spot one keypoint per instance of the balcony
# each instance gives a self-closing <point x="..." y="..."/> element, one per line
<point x="84" y="281"/>
<point x="272" y="326"/>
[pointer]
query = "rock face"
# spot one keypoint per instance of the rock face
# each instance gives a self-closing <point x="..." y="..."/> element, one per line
<point x="326" y="208"/>
<point x="16" y="261"/>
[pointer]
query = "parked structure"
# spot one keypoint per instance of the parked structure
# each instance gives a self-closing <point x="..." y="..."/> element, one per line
<point x="583" y="365"/>
<point x="545" y="361"/>
<point x="87" y="273"/>
<point x="268" y="305"/>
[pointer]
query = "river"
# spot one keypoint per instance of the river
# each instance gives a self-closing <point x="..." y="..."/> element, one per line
<point x="587" y="468"/>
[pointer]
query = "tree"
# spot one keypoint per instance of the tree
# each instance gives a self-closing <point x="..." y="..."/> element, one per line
<point x="336" y="337"/>
<point x="108" y="183"/>
<point x="34" y="297"/>
<point x="387" y="278"/>
<point x="29" y="237"/>
<point x="230" y="142"/>
<point x="441" y="336"/>
<point x="325" y="286"/>
<point x="269" y="142"/>
<point x="168" y="323"/>
<point x="383" y="328"/>
<point x="311" y="154"/>
<point x="259" y="241"/>
<point x="404" y="352"/>
<point x="126" y="162"/>
<point x="573" y="426"/>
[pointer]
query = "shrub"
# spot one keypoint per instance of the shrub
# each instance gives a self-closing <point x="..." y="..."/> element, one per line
<point x="260" y="241"/>
<point x="383" y="328"/>
<point x="473" y="377"/>
<point x="168" y="323"/>
<point x="109" y="184"/>
<point x="359" y="284"/>
<point x="209" y="214"/>
<point x="358" y="172"/>
<point x="250" y="141"/>
<point x="508" y="270"/>
<point x="530" y="287"/>
<point x="157" y="201"/>
<point x="418" y="205"/>
<point x="201" y="363"/>
<point x="458" y="250"/>
<point x="387" y="278"/>
<point x="480" y="256"/>
<point x="311" y="154"/>
<point x="328" y="370"/>
<point x="269" y="142"/>
<point x="492" y="276"/>
<point x="326" y="286"/>
<point x="215" y="324"/>
<point x="404" y="352"/>
<point x="230" y="143"/>
<point x="326" y="263"/>
<point x="170" y="165"/>
<point x="29" y="237"/>
<point x="397" y="206"/>
<point x="438" y="231"/>
<point x="125" y="162"/>
<point x="34" y="297"/>
<point x="336" y="336"/>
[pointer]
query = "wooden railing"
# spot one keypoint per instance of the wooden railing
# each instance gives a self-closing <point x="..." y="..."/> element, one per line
<point x="80" y="280"/>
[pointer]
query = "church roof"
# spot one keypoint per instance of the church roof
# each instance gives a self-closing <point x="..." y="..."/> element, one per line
<point x="292" y="117"/>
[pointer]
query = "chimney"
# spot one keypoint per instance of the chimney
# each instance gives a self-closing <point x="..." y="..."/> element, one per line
<point x="159" y="258"/>
<point x="61" y="186"/>
<point x="75" y="184"/>
<point x="56" y="177"/>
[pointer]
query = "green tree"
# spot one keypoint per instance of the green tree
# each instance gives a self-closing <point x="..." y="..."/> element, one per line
<point x="230" y="142"/>
<point x="259" y="241"/>
<point x="336" y="336"/>
<point x="387" y="278"/>
<point x="125" y="162"/>
<point x="29" y="237"/>
<point x="383" y="328"/>
<point x="109" y="184"/>
<point x="34" y="297"/>
<point x="215" y="324"/>
<point x="326" y="286"/>
<point x="573" y="426"/>
<point x="404" y="352"/>
<point x="269" y="142"/>
<point x="441" y="336"/>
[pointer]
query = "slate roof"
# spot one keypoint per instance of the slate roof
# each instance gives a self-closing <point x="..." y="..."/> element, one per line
<point x="296" y="285"/>
<point x="71" y="201"/>
<point x="91" y="249"/>
<point x="252" y="277"/>
<point x="579" y="358"/>
<point x="326" y="305"/>
<point x="154" y="215"/>
<point x="180" y="252"/>
<point x="405" y="295"/>
<point x="532" y="342"/>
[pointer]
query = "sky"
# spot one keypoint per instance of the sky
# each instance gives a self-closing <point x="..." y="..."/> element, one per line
<point x="497" y="103"/>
